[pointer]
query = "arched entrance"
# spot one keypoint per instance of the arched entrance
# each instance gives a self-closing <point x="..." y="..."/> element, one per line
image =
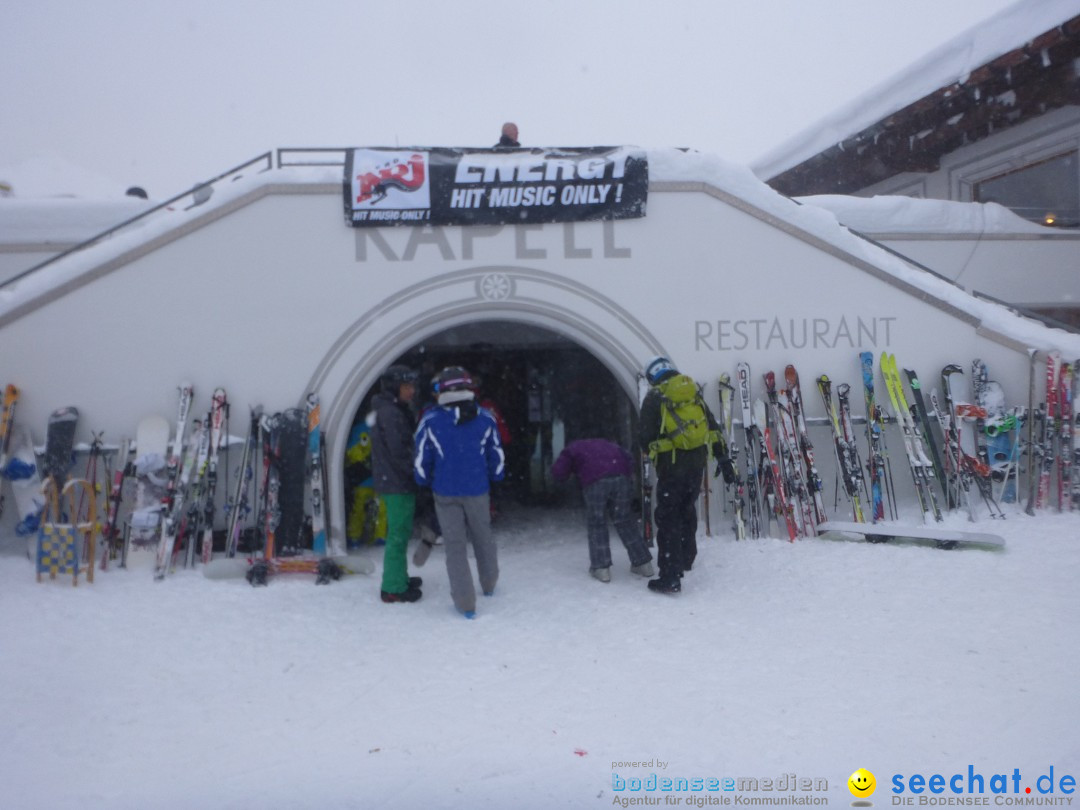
<point x="511" y="294"/>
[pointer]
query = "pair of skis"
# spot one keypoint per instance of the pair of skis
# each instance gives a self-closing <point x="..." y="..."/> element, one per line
<point x="1052" y="436"/>
<point x="795" y="453"/>
<point x="963" y="429"/>
<point x="848" y="462"/>
<point x="781" y="480"/>
<point x="736" y="490"/>
<point x="882" y="488"/>
<point x="916" y="435"/>
<point x="646" y="473"/>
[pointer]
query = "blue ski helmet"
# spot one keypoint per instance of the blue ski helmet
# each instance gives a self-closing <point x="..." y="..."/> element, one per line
<point x="659" y="369"/>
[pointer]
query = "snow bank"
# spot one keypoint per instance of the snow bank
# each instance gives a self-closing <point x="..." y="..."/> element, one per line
<point x="894" y="214"/>
<point x="39" y="177"/>
<point x="814" y="658"/>
<point x="63" y="220"/>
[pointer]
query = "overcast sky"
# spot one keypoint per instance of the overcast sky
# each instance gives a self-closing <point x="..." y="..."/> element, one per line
<point x="165" y="93"/>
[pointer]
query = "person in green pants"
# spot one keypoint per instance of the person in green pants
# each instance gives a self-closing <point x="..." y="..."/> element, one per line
<point x="392" y="423"/>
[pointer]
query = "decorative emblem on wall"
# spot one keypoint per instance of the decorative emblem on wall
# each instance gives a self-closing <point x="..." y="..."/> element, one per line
<point x="495" y="287"/>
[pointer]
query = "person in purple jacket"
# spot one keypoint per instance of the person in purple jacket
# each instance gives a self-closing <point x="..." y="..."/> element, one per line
<point x="603" y="470"/>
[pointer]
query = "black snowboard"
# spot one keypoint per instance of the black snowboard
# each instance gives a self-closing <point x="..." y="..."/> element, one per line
<point x="288" y="453"/>
<point x="60" y="445"/>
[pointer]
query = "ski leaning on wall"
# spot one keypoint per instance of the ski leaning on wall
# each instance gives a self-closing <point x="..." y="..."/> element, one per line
<point x="157" y="497"/>
<point x="646" y="473"/>
<point x="753" y="453"/>
<point x="921" y="447"/>
<point x="736" y="490"/>
<point x="964" y="446"/>
<point x="848" y="465"/>
<point x="779" y="479"/>
<point x="1053" y="450"/>
<point x="7" y="424"/>
<point x="174" y="499"/>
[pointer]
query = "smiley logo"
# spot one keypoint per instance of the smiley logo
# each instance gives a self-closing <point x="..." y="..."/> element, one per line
<point x="862" y="783"/>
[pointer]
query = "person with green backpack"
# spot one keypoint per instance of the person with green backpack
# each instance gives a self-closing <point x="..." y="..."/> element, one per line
<point x="677" y="429"/>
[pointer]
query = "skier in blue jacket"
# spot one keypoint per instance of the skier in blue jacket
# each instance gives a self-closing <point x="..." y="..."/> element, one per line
<point x="458" y="455"/>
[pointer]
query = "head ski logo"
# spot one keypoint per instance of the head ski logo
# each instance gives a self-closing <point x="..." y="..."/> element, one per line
<point x="407" y="175"/>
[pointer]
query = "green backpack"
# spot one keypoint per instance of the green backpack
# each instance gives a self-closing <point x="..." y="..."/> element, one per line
<point x="683" y="422"/>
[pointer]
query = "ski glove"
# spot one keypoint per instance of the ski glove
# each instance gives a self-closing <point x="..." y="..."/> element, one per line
<point x="726" y="467"/>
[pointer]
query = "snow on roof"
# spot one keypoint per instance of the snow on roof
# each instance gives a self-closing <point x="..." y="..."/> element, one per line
<point x="39" y="177"/>
<point x="952" y="62"/>
<point x="685" y="168"/>
<point x="62" y="220"/>
<point x="886" y="214"/>
<point x="741" y="182"/>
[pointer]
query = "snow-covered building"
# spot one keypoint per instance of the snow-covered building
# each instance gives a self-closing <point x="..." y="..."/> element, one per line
<point x="992" y="117"/>
<point x="259" y="284"/>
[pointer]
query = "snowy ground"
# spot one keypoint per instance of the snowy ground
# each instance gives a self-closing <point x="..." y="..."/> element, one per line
<point x="812" y="659"/>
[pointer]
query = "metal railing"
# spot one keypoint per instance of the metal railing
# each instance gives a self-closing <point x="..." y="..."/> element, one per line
<point x="196" y="195"/>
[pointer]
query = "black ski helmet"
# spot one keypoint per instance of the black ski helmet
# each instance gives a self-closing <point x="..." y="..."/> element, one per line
<point x="396" y="376"/>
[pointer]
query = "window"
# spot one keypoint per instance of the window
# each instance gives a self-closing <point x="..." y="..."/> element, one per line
<point x="1047" y="192"/>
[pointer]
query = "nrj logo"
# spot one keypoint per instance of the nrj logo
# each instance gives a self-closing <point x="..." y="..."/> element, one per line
<point x="387" y="172"/>
<point x="1048" y="788"/>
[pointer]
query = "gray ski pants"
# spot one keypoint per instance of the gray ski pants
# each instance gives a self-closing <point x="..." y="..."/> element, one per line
<point x="462" y="520"/>
<point x="612" y="496"/>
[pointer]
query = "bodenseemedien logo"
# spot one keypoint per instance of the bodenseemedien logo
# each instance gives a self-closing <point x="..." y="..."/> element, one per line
<point x="652" y="790"/>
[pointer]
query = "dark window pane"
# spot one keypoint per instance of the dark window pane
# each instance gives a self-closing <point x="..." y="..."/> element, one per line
<point x="1047" y="192"/>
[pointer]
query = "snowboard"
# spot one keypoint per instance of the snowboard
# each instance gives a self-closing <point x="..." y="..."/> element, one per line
<point x="59" y="445"/>
<point x="289" y="442"/>
<point x="892" y="530"/>
<point x="151" y="480"/>
<point x="23" y="473"/>
<point x="239" y="567"/>
<point x="1001" y="430"/>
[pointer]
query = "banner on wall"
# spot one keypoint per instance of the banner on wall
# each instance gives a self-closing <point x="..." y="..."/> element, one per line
<point x="443" y="186"/>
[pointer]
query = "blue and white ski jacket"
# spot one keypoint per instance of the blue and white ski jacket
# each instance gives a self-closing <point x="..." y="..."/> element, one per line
<point x="458" y="452"/>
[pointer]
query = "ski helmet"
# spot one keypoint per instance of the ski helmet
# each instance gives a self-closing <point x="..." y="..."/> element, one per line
<point x="453" y="378"/>
<point x="659" y="369"/>
<point x="396" y="376"/>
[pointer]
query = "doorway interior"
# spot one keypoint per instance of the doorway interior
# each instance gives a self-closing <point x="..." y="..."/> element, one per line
<point x="548" y="389"/>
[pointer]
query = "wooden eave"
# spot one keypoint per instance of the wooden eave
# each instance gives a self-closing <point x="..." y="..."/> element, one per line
<point x="1024" y="83"/>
